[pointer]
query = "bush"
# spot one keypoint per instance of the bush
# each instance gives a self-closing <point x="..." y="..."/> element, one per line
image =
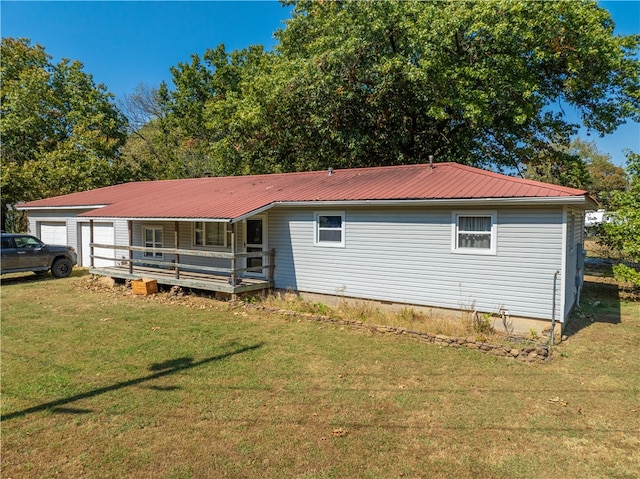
<point x="626" y="274"/>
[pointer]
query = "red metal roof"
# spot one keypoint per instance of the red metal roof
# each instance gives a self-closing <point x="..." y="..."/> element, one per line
<point x="237" y="196"/>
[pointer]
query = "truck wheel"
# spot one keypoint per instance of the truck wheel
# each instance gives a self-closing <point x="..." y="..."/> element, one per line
<point x="61" y="268"/>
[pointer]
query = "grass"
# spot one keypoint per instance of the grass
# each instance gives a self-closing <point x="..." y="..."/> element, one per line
<point x="100" y="383"/>
<point x="459" y="323"/>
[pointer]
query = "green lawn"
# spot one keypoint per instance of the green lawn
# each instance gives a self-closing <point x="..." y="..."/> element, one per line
<point x="101" y="383"/>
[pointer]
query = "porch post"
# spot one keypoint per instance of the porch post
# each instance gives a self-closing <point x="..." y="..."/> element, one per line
<point x="91" y="242"/>
<point x="233" y="259"/>
<point x="176" y="236"/>
<point x="130" y="232"/>
<point x="272" y="264"/>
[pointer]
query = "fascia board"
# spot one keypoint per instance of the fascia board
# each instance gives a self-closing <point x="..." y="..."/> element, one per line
<point x="156" y="219"/>
<point x="56" y="208"/>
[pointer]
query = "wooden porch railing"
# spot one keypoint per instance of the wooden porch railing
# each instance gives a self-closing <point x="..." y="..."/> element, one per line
<point x="176" y="265"/>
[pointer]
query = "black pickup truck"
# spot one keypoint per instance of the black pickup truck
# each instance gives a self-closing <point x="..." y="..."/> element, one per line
<point x="21" y="252"/>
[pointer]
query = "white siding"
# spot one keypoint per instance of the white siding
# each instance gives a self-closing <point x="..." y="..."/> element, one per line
<point x="574" y="244"/>
<point x="74" y="227"/>
<point x="404" y="255"/>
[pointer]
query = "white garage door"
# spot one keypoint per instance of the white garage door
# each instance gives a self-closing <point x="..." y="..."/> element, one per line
<point x="103" y="233"/>
<point x="53" y="233"/>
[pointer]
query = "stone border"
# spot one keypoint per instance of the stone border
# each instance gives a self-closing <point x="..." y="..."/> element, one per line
<point x="529" y="354"/>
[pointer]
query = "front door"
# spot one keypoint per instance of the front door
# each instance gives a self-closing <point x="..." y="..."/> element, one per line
<point x="255" y="242"/>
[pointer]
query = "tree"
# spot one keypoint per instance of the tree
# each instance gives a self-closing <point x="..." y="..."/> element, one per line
<point x="605" y="177"/>
<point x="474" y="82"/>
<point x="379" y="83"/>
<point x="60" y="132"/>
<point x="194" y="127"/>
<point x="623" y="233"/>
<point x="580" y="165"/>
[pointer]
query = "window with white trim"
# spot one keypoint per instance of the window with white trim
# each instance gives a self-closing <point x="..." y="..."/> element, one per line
<point x="152" y="239"/>
<point x="474" y="232"/>
<point x="329" y="229"/>
<point x="210" y="234"/>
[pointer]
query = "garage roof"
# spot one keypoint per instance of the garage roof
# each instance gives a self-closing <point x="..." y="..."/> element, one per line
<point x="236" y="197"/>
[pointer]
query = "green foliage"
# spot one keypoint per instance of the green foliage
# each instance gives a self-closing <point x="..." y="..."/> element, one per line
<point x="623" y="233"/>
<point x="60" y="132"/>
<point x="482" y="323"/>
<point x="378" y="83"/>
<point x="626" y="274"/>
<point x="580" y="165"/>
<point x="196" y="127"/>
<point x="605" y="178"/>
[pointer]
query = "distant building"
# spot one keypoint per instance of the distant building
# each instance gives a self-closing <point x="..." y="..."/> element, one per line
<point x="596" y="218"/>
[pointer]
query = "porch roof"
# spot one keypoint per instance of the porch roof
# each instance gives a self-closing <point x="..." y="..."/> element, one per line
<point x="236" y="197"/>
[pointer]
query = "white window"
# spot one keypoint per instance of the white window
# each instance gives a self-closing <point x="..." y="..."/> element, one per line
<point x="474" y="232"/>
<point x="329" y="229"/>
<point x="152" y="239"/>
<point x="209" y="234"/>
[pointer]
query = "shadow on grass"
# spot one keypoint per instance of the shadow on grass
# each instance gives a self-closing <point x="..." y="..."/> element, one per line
<point x="28" y="277"/>
<point x="164" y="369"/>
<point x="600" y="302"/>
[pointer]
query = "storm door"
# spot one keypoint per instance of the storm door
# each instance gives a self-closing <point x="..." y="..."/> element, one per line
<point x="255" y="242"/>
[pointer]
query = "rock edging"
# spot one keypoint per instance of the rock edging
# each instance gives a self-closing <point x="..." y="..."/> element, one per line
<point x="529" y="354"/>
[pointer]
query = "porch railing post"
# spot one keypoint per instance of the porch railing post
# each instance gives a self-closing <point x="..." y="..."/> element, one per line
<point x="272" y="264"/>
<point x="130" y="232"/>
<point x="91" y="242"/>
<point x="233" y="260"/>
<point x="176" y="232"/>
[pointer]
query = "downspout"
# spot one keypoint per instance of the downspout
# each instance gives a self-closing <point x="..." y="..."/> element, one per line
<point x="553" y="310"/>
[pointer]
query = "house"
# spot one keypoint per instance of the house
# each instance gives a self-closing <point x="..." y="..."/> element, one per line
<point x="444" y="236"/>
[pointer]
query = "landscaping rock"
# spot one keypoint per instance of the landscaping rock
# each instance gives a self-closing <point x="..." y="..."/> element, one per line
<point x="176" y="291"/>
<point x="106" y="282"/>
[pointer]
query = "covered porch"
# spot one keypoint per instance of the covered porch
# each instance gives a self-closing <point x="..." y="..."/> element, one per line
<point x="186" y="279"/>
<point x="231" y="272"/>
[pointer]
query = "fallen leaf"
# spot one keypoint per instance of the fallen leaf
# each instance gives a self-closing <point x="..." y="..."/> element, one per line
<point x="557" y="400"/>
<point x="339" y="432"/>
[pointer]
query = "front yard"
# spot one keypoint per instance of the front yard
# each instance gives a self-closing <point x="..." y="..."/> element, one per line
<point x="100" y="383"/>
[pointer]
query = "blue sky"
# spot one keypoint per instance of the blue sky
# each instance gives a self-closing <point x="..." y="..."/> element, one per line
<point x="125" y="43"/>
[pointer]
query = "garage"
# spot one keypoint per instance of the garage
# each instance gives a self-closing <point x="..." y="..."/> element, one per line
<point x="103" y="233"/>
<point x="53" y="233"/>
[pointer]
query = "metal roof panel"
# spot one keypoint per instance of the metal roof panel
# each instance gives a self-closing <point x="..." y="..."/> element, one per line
<point x="236" y="196"/>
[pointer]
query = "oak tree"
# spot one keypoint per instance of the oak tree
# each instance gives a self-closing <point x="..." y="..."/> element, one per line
<point x="60" y="132"/>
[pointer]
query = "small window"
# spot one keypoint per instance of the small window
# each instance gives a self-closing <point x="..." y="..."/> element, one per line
<point x="329" y="229"/>
<point x="152" y="239"/>
<point x="474" y="233"/>
<point x="209" y="234"/>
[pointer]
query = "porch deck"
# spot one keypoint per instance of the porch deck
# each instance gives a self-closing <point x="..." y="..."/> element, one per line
<point x="187" y="279"/>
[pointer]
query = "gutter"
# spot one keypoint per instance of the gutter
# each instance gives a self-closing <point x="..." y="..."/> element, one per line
<point x="483" y="202"/>
<point x="35" y="208"/>
<point x="584" y="201"/>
